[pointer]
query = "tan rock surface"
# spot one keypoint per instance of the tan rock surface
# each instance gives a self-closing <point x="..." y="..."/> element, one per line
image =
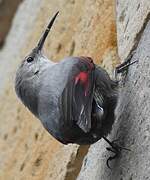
<point x="82" y="28"/>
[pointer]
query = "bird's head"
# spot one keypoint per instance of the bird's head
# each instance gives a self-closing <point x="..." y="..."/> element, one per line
<point x="33" y="60"/>
<point x="33" y="63"/>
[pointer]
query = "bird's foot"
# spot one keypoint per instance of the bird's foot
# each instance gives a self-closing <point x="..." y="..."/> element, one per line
<point x="115" y="148"/>
<point x="123" y="67"/>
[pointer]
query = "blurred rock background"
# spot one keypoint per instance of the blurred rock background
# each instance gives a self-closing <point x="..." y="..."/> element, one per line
<point x="7" y="11"/>
<point x="82" y="28"/>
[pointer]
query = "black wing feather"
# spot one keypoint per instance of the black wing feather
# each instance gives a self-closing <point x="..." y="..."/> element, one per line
<point x="76" y="103"/>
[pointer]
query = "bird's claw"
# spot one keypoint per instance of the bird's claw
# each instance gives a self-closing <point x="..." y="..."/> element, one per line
<point x="110" y="159"/>
<point x="116" y="149"/>
<point x="123" y="67"/>
<point x="115" y="146"/>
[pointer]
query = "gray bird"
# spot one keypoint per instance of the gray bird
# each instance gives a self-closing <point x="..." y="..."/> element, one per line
<point x="74" y="99"/>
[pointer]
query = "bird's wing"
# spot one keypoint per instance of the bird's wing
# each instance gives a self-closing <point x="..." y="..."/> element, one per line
<point x="77" y="96"/>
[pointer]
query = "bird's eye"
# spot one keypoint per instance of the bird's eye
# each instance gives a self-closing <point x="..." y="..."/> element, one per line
<point x="29" y="59"/>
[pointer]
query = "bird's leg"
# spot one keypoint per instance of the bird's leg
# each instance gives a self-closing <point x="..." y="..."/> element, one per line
<point x="115" y="148"/>
<point x="122" y="67"/>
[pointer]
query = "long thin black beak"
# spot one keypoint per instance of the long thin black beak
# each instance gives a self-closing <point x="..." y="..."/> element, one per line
<point x="42" y="40"/>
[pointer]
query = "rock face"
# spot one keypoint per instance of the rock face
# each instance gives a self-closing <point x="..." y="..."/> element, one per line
<point x="132" y="126"/>
<point x="7" y="11"/>
<point x="132" y="17"/>
<point x="82" y="28"/>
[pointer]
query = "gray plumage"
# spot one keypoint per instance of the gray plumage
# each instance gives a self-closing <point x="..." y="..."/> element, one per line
<point x="74" y="99"/>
